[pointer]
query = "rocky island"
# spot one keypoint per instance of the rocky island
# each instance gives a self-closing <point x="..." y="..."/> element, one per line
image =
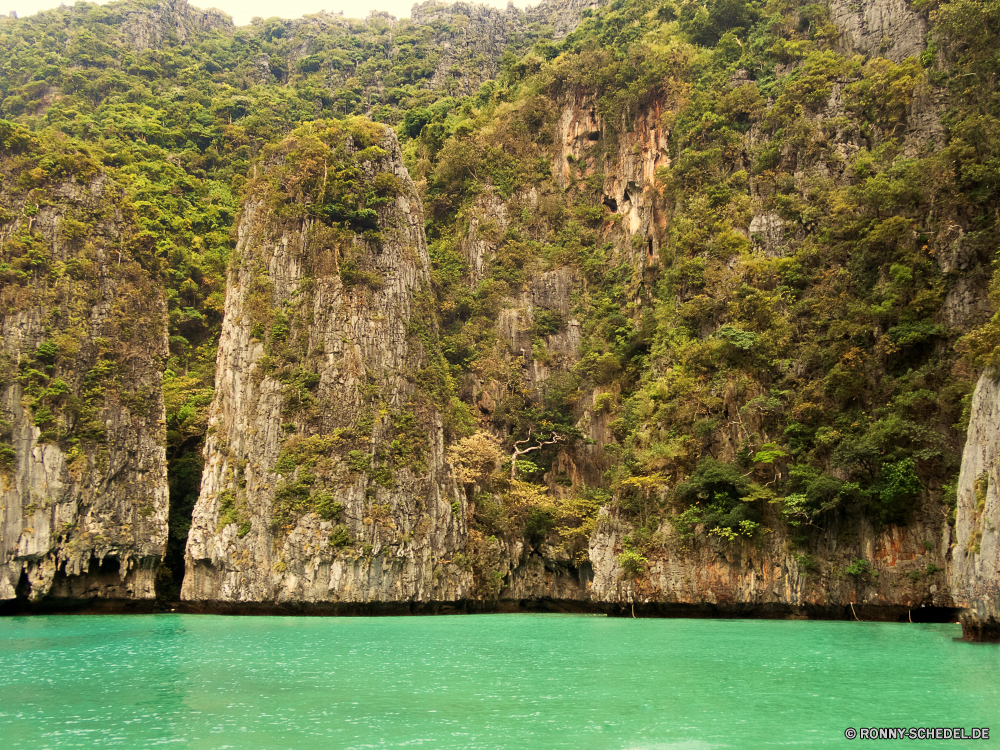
<point x="670" y="308"/>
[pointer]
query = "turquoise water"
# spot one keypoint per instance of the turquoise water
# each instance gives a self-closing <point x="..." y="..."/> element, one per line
<point x="484" y="681"/>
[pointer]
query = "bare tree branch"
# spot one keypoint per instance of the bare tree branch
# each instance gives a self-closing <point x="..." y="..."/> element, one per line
<point x="556" y="437"/>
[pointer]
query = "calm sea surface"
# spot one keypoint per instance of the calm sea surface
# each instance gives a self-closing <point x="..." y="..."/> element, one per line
<point x="484" y="681"/>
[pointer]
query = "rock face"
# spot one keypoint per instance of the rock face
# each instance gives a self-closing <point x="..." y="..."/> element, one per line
<point x="907" y="568"/>
<point x="879" y="28"/>
<point x="629" y="170"/>
<point x="325" y="478"/>
<point x="83" y="480"/>
<point x="907" y="563"/>
<point x="493" y="26"/>
<point x="466" y="40"/>
<point x="562" y="15"/>
<point x="975" y="573"/>
<point x="151" y="27"/>
<point x="476" y="36"/>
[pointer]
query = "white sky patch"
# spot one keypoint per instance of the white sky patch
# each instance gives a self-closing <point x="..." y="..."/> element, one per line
<point x="243" y="10"/>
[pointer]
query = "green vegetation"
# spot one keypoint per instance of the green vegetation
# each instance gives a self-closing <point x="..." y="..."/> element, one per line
<point x="632" y="563"/>
<point x="820" y="355"/>
<point x="778" y="345"/>
<point x="861" y="568"/>
<point x="233" y="510"/>
<point x="175" y="127"/>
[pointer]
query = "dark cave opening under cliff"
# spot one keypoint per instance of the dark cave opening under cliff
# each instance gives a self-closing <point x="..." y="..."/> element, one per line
<point x="23" y="588"/>
<point x="932" y="614"/>
<point x="184" y="482"/>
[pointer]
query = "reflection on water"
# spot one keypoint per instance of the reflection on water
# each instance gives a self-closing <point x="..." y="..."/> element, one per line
<point x="489" y="681"/>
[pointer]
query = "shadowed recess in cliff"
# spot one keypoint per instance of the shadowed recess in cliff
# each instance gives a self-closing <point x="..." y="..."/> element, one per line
<point x="184" y="480"/>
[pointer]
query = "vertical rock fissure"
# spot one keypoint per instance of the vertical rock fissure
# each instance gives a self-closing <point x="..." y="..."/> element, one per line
<point x="183" y="480"/>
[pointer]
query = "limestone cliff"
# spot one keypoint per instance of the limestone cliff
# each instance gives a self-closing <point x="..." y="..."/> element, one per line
<point x="490" y="28"/>
<point x="170" y="21"/>
<point x="884" y="28"/>
<point x="907" y="562"/>
<point x="465" y="43"/>
<point x="905" y="566"/>
<point x="648" y="258"/>
<point x="853" y="560"/>
<point x="975" y="572"/>
<point x="325" y="477"/>
<point x="83" y="491"/>
<point x="474" y="37"/>
<point x="562" y="15"/>
<point x="906" y="569"/>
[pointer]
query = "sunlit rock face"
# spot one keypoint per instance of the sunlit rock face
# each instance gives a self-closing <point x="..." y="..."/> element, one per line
<point x="975" y="576"/>
<point x="882" y="28"/>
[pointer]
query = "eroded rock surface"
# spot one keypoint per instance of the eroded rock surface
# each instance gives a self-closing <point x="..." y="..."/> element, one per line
<point x="879" y="28"/>
<point x="151" y="28"/>
<point x="83" y="478"/>
<point x="481" y="33"/>
<point x="325" y="477"/>
<point x="975" y="574"/>
<point x="907" y="567"/>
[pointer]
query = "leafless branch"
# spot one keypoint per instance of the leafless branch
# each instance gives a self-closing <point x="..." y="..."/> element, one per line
<point x="556" y="437"/>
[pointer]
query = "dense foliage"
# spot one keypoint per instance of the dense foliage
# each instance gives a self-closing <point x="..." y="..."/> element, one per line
<point x="826" y="366"/>
<point x="748" y="379"/>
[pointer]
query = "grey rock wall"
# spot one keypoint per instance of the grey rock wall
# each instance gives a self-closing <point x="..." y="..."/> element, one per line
<point x="774" y="570"/>
<point x="405" y="529"/>
<point x="909" y="563"/>
<point x="562" y="15"/>
<point x="175" y="20"/>
<point x="469" y="39"/>
<point x="83" y="497"/>
<point x="975" y="572"/>
<point x="478" y="35"/>
<point x="879" y="28"/>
